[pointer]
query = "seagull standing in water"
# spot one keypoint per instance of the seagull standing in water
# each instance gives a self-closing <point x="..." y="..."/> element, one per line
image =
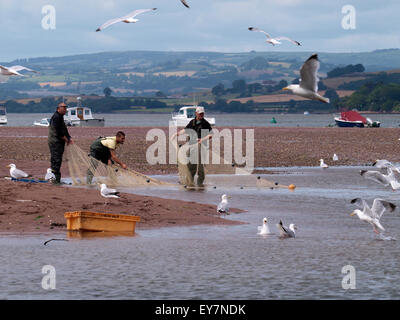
<point x="275" y="41"/>
<point x="264" y="229"/>
<point x="16" y="173"/>
<point x="286" y="232"/>
<point x="13" y="71"/>
<point x="130" y="18"/>
<point x="322" y="164"/>
<point x="308" y="87"/>
<point x="223" y="206"/>
<point x="374" y="214"/>
<point x="50" y="175"/>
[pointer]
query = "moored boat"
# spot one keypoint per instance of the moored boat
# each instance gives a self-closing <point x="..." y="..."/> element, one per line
<point x="3" y="115"/>
<point x="354" y="119"/>
<point x="185" y="114"/>
<point x="82" y="116"/>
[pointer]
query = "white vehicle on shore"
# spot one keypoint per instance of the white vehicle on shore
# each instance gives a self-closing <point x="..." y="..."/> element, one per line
<point x="3" y="115"/>
<point x="185" y="114"/>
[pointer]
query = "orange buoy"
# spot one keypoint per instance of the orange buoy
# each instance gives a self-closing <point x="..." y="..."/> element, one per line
<point x="292" y="187"/>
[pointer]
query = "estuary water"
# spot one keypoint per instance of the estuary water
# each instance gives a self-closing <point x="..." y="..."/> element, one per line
<point x="222" y="119"/>
<point x="226" y="262"/>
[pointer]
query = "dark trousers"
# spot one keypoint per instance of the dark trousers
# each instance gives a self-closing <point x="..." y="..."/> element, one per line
<point x="56" y="154"/>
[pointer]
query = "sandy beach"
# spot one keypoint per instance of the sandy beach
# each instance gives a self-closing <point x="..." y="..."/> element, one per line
<point x="274" y="147"/>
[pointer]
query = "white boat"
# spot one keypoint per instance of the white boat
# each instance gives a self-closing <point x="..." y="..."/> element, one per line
<point x="82" y="117"/>
<point x="3" y="115"/>
<point x="45" y="122"/>
<point x="185" y="114"/>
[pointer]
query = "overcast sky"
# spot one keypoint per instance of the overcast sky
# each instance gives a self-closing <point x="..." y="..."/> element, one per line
<point x="209" y="25"/>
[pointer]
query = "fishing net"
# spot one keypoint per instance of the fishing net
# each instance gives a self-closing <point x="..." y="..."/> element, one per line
<point x="218" y="171"/>
<point x="85" y="170"/>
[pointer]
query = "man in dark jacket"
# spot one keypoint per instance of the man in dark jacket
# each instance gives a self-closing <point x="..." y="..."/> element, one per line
<point x="58" y="137"/>
<point x="203" y="131"/>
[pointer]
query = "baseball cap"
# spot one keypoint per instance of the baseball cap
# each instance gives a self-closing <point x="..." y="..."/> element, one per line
<point x="200" y="109"/>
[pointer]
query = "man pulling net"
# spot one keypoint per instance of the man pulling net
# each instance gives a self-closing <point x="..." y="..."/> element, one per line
<point x="103" y="149"/>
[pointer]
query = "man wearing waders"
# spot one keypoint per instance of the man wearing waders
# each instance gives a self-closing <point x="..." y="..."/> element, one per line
<point x="57" y="138"/>
<point x="103" y="149"/>
<point x="202" y="130"/>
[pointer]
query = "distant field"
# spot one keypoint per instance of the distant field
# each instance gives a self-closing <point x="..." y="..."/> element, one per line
<point x="175" y="73"/>
<point x="334" y="83"/>
<point x="286" y="97"/>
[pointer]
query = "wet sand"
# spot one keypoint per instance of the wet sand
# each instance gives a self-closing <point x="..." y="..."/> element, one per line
<point x="274" y="147"/>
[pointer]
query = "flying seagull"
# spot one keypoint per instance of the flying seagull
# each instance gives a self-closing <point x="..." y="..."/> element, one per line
<point x="374" y="214"/>
<point x="16" y="173"/>
<point x="13" y="71"/>
<point x="308" y="87"/>
<point x="391" y="178"/>
<point x="223" y="206"/>
<point x="185" y="3"/>
<point x="286" y="232"/>
<point x="384" y="164"/>
<point x="130" y="18"/>
<point x="49" y="175"/>
<point x="275" y="41"/>
<point x="264" y="229"/>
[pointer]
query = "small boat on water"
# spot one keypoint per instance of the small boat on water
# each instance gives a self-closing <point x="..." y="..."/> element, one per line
<point x="3" y="115"/>
<point x="45" y="122"/>
<point x="185" y="114"/>
<point x="82" y="116"/>
<point x="354" y="119"/>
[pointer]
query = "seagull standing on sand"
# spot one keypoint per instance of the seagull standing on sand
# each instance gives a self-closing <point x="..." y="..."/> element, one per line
<point x="335" y="157"/>
<point x="130" y="18"/>
<point x="16" y="173"/>
<point x="286" y="232"/>
<point x="308" y="87"/>
<point x="374" y="214"/>
<point x="13" y="71"/>
<point x="391" y="178"/>
<point x="275" y="41"/>
<point x="322" y="164"/>
<point x="264" y="229"/>
<point x="223" y="206"/>
<point x="50" y="175"/>
<point x="185" y="3"/>
<point x="108" y="193"/>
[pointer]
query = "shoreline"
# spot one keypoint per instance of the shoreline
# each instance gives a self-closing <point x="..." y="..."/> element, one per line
<point x="273" y="148"/>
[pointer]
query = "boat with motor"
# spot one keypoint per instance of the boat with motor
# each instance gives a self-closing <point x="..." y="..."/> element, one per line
<point x="185" y="114"/>
<point x="3" y="115"/>
<point x="82" y="116"/>
<point x="355" y="119"/>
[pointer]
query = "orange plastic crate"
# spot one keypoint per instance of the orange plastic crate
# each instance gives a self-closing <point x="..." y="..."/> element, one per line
<point x="96" y="221"/>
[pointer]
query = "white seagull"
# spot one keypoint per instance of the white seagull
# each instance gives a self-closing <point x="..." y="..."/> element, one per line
<point x="49" y="175"/>
<point x="308" y="87"/>
<point x="185" y="3"/>
<point x="223" y="206"/>
<point x="275" y="41"/>
<point x="13" y="71"/>
<point x="286" y="232"/>
<point x="264" y="229"/>
<point x="335" y="157"/>
<point x="16" y="173"/>
<point x="322" y="164"/>
<point x="392" y="178"/>
<point x="372" y="215"/>
<point x="130" y="18"/>
<point x="384" y="164"/>
<point x="108" y="193"/>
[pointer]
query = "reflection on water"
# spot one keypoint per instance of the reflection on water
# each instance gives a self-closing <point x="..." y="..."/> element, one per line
<point x="226" y="262"/>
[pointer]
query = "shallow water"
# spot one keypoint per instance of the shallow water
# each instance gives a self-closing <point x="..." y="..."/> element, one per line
<point x="226" y="262"/>
<point x="229" y="119"/>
